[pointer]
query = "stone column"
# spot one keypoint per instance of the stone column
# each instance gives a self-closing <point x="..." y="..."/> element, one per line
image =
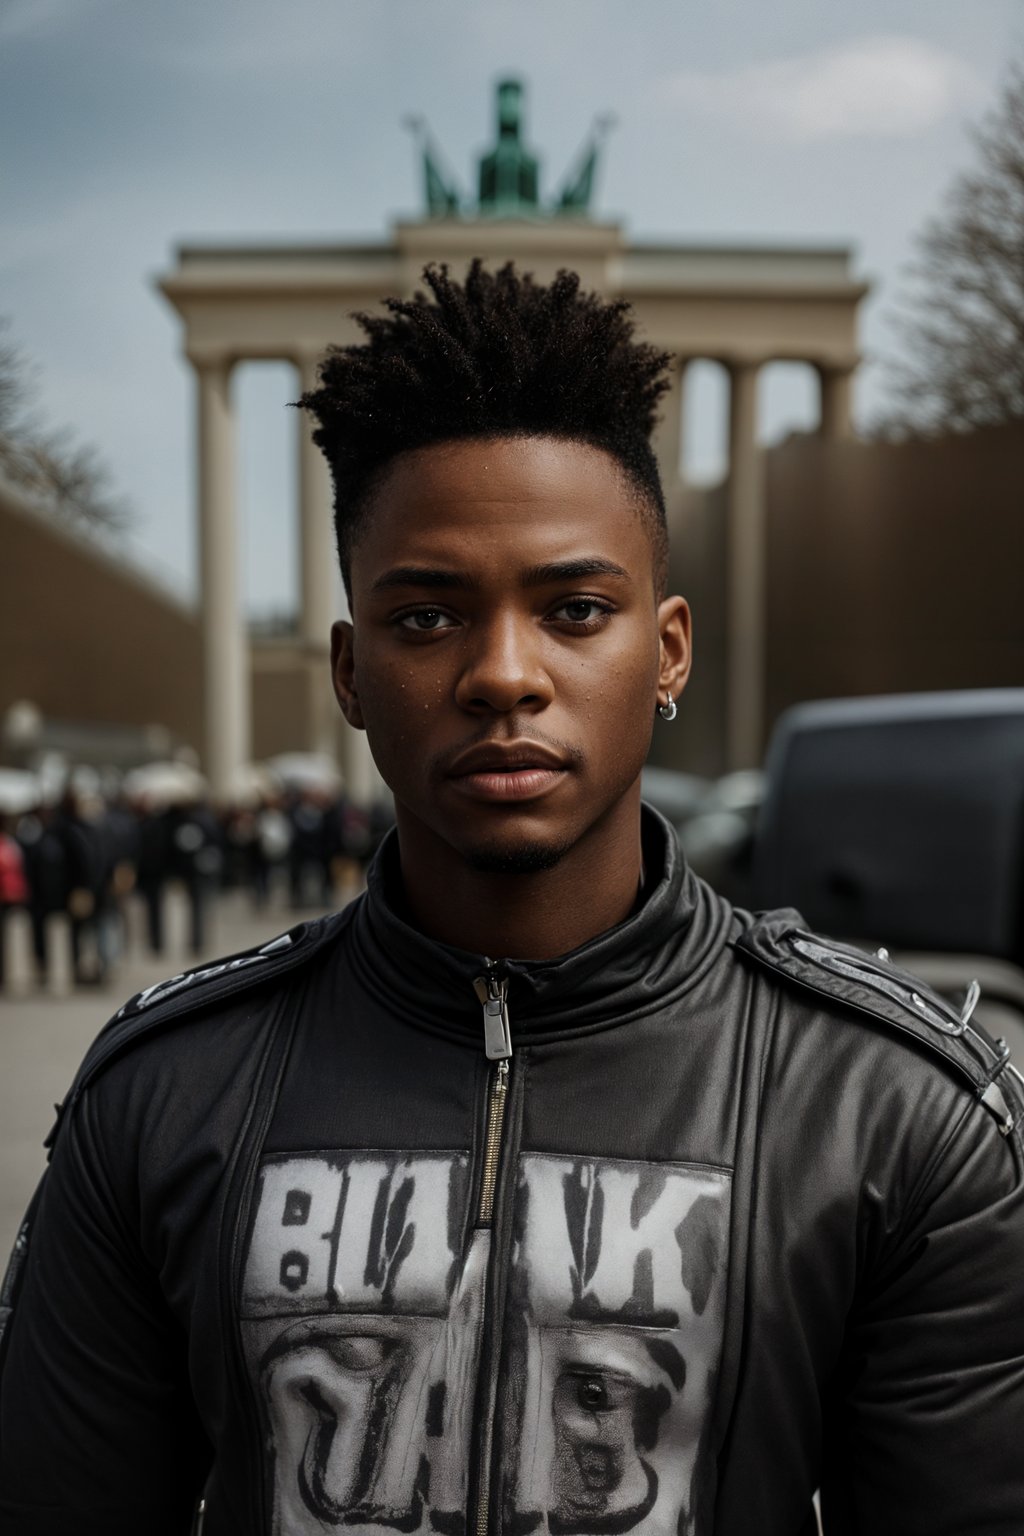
<point x="318" y="560"/>
<point x="745" y="576"/>
<point x="836" y="402"/>
<point x="226" y="672"/>
<point x="323" y="600"/>
<point x="320" y="591"/>
<point x="668" y="440"/>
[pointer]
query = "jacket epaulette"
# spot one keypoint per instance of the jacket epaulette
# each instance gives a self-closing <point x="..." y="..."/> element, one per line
<point x="200" y="988"/>
<point x="872" y="985"/>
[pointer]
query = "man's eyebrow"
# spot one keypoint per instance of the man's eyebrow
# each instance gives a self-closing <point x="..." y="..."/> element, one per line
<point x="534" y="576"/>
<point x="571" y="570"/>
<point x="420" y="576"/>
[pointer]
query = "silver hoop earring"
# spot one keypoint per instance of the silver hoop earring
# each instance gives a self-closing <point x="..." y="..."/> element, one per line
<point x="668" y="711"/>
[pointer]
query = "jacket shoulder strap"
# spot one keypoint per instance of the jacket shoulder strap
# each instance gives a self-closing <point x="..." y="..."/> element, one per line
<point x="166" y="1002"/>
<point x="872" y="986"/>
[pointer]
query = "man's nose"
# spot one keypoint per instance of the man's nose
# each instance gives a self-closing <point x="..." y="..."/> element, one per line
<point x="504" y="668"/>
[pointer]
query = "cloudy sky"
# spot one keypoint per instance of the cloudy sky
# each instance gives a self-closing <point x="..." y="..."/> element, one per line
<point x="133" y="125"/>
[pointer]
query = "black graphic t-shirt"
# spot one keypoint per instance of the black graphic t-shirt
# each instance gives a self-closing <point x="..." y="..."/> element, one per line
<point x="368" y="1319"/>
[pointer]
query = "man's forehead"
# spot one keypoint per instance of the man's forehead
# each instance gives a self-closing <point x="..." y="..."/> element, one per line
<point x="503" y="472"/>
<point x="530" y="503"/>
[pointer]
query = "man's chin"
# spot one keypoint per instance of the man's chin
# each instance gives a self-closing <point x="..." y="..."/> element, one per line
<point x="523" y="858"/>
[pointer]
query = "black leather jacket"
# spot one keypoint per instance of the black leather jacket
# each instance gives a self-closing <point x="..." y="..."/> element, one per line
<point x="741" y="1216"/>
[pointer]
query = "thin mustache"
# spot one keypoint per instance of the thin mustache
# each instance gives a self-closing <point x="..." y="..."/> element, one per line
<point x="439" y="766"/>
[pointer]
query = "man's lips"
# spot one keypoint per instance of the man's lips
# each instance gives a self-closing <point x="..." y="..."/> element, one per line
<point x="505" y="757"/>
<point x="519" y="770"/>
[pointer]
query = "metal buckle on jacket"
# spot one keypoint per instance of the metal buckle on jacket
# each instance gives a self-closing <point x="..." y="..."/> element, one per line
<point x="994" y="1057"/>
<point x="995" y="1099"/>
<point x="970" y="1002"/>
<point x="863" y="970"/>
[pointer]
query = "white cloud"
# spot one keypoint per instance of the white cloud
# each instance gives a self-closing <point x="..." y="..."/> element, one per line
<point x="306" y="38"/>
<point x="872" y="87"/>
<point x="34" y="18"/>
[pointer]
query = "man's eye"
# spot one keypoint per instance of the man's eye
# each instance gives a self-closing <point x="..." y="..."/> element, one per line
<point x="581" y="610"/>
<point x="425" y="619"/>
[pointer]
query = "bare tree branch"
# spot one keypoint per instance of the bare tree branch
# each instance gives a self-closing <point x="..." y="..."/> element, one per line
<point x="68" y="478"/>
<point x="963" y="325"/>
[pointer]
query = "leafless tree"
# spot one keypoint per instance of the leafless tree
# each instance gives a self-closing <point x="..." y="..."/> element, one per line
<point x="963" y="324"/>
<point x="66" y="477"/>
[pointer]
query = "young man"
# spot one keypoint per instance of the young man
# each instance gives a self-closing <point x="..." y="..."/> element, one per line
<point x="538" y="1190"/>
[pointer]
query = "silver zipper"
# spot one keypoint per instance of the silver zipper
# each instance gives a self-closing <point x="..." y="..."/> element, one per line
<point x="492" y="990"/>
<point x="492" y="1143"/>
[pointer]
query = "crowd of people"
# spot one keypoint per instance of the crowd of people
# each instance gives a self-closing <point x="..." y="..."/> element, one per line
<point x="84" y="854"/>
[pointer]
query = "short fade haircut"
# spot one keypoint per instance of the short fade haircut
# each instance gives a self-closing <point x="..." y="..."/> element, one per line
<point x="498" y="356"/>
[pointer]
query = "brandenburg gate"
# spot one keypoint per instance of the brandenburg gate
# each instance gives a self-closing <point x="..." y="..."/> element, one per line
<point x="739" y="306"/>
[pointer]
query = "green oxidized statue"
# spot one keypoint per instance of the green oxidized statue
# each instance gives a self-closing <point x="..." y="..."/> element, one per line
<point x="509" y="173"/>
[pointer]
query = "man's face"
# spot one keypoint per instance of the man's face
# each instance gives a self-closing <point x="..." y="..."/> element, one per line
<point x="507" y="650"/>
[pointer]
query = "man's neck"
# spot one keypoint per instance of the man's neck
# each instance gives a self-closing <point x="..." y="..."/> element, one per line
<point x="536" y="916"/>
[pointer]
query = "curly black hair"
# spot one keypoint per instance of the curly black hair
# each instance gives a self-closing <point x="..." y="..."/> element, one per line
<point x="497" y="356"/>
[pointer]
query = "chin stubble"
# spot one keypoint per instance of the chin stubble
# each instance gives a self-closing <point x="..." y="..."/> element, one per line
<point x="525" y="859"/>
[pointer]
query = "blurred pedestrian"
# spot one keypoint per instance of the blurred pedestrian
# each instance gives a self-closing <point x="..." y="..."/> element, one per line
<point x="196" y="858"/>
<point x="153" y="859"/>
<point x="13" y="887"/>
<point x="314" y="843"/>
<point x="88" y="870"/>
<point x="120" y="830"/>
<point x="46" y="871"/>
<point x="274" y="838"/>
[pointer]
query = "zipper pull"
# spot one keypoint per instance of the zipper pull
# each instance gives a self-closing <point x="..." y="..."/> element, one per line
<point x="492" y="990"/>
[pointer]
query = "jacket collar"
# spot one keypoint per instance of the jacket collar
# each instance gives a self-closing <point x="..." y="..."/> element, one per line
<point x="633" y="968"/>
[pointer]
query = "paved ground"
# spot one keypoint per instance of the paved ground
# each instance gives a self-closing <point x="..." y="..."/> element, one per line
<point x="43" y="1038"/>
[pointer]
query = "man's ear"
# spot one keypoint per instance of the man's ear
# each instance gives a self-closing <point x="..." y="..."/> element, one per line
<point x="343" y="667"/>
<point x="676" y="648"/>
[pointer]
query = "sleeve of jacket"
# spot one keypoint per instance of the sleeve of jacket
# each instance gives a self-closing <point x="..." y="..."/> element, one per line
<point x="926" y="1437"/>
<point x="98" y="1432"/>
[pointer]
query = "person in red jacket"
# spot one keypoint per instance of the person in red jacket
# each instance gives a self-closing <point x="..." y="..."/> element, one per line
<point x="13" y="886"/>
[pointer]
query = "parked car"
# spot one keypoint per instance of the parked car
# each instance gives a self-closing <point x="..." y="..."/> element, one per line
<point x="898" y="822"/>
